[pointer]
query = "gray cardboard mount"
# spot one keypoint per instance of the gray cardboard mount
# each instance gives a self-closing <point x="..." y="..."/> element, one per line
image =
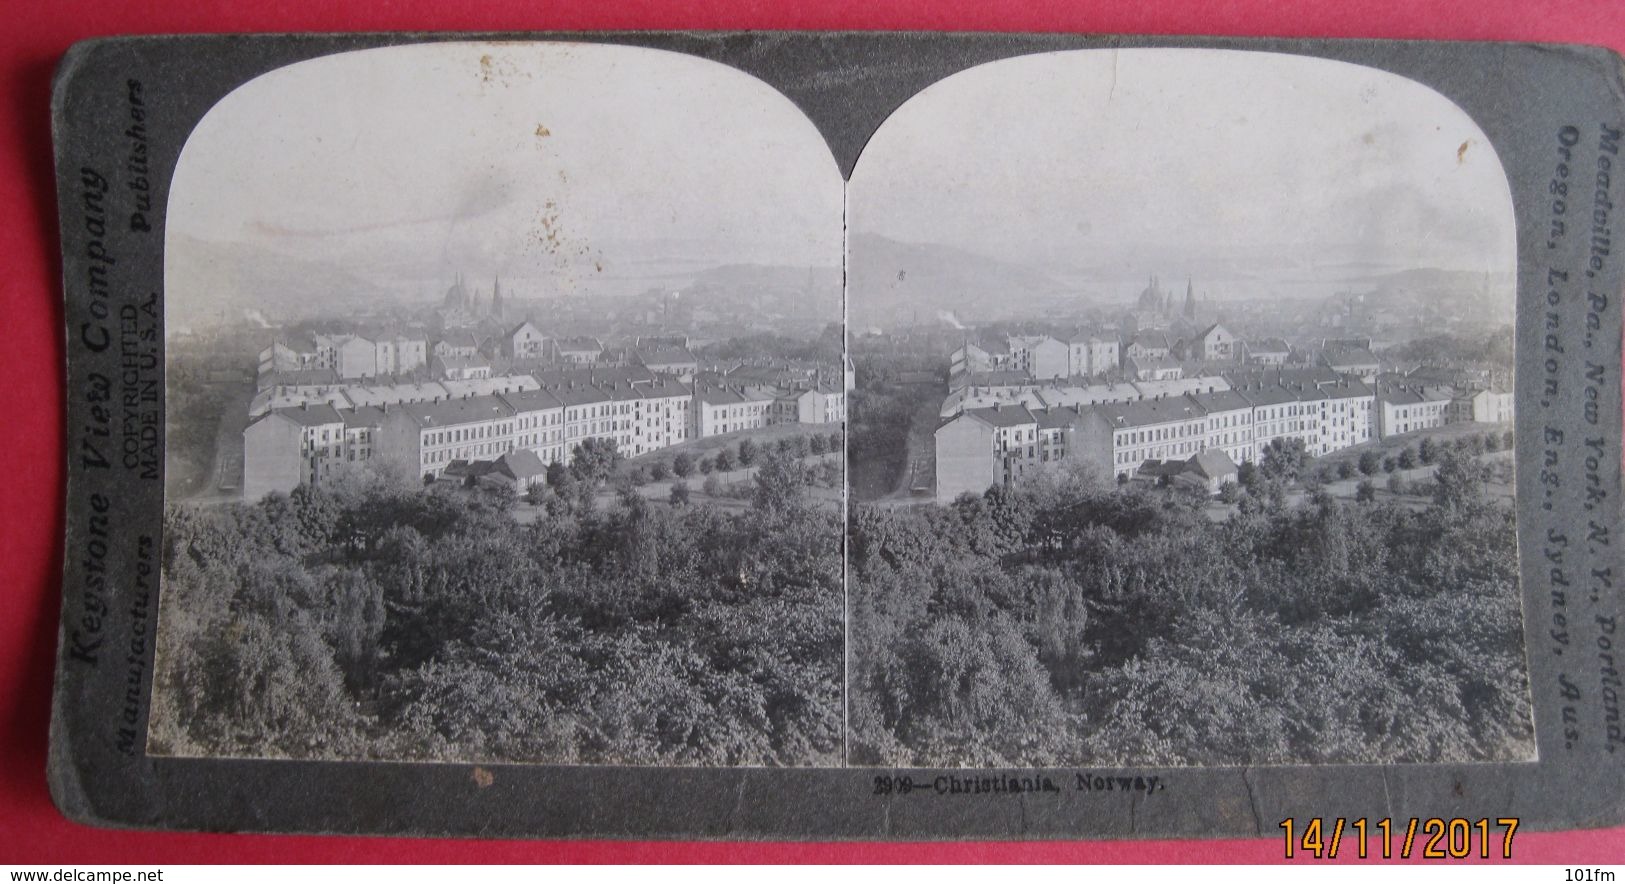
<point x="1542" y="107"/>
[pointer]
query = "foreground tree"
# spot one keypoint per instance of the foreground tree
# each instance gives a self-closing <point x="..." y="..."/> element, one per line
<point x="594" y="460"/>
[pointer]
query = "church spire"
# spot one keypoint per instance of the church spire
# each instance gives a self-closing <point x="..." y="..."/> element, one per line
<point x="1190" y="299"/>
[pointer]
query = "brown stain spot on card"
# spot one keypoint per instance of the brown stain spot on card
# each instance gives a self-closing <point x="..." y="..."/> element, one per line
<point x="1369" y="139"/>
<point x="483" y="778"/>
<point x="547" y="233"/>
<point x="1457" y="786"/>
<point x="496" y="69"/>
<point x="1461" y="152"/>
<point x="542" y="131"/>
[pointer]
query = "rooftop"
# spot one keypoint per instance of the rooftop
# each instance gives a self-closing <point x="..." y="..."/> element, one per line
<point x="451" y="412"/>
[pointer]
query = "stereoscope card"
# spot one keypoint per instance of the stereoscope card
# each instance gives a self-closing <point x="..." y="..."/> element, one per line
<point x="839" y="436"/>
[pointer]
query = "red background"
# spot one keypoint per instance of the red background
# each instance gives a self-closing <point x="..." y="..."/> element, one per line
<point x="34" y="34"/>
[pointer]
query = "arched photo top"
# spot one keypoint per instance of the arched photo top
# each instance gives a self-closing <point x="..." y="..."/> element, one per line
<point x="564" y="168"/>
<point x="1258" y="173"/>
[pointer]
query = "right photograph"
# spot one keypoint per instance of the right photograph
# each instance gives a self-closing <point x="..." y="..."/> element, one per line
<point x="1182" y="431"/>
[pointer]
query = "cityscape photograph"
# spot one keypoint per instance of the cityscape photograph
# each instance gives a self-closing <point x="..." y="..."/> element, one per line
<point x="506" y="392"/>
<point x="1161" y="417"/>
<point x="1182" y="422"/>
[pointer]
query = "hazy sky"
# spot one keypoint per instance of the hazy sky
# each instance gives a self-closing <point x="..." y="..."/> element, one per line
<point x="530" y="160"/>
<point x="1174" y="156"/>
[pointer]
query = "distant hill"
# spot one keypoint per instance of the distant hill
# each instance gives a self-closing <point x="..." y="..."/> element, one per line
<point x="891" y="282"/>
<point x="1493" y="294"/>
<point x="771" y="276"/>
<point x="207" y="281"/>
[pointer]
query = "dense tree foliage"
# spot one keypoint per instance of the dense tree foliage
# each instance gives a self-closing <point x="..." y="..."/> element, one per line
<point x="1493" y="349"/>
<point x="881" y="411"/>
<point x="369" y="620"/>
<point x="1123" y="626"/>
<point x="771" y="347"/>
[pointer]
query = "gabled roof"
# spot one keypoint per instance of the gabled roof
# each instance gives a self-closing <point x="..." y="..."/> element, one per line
<point x="1012" y="416"/>
<point x="365" y="416"/>
<point x="599" y="374"/>
<point x="1147" y="412"/>
<point x="1412" y="394"/>
<point x="1220" y="400"/>
<point x="521" y="463"/>
<point x="1260" y="393"/>
<point x="451" y="412"/>
<point x="579" y="394"/>
<point x="532" y="400"/>
<point x="1212" y="463"/>
<point x="1055" y="418"/>
<point x="310" y="415"/>
<point x="459" y="469"/>
<point x="579" y="344"/>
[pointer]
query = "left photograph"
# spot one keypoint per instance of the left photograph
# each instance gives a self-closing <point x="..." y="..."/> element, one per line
<point x="506" y="394"/>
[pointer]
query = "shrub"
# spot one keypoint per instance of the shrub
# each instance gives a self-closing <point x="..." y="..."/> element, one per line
<point x="1396" y="484"/>
<point x="659" y="471"/>
<point x="679" y="493"/>
<point x="1370" y="462"/>
<point x="707" y="465"/>
<point x="1345" y="470"/>
<point x="557" y="475"/>
<point x="1366" y="491"/>
<point x="712" y="486"/>
<point x="682" y="465"/>
<point x="725" y="461"/>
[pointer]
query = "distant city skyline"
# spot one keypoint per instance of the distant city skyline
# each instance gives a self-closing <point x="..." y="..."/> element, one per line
<point x="1120" y="163"/>
<point x="565" y="162"/>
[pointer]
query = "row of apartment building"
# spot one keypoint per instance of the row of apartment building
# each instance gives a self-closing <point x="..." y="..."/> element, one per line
<point x="1118" y="428"/>
<point x="423" y="428"/>
<point x="1151" y="355"/>
<point x="456" y="353"/>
